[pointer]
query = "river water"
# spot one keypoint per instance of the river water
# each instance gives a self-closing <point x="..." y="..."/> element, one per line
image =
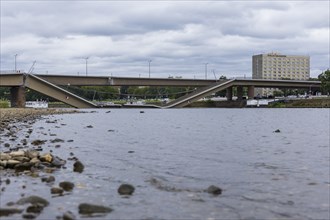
<point x="172" y="156"/>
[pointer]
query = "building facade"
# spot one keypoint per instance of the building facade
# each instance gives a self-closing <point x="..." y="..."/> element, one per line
<point x="277" y="66"/>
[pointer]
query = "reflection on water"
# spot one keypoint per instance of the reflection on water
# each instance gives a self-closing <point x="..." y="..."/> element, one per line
<point x="172" y="156"/>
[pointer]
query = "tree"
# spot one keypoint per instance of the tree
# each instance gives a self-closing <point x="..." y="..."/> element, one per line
<point x="324" y="77"/>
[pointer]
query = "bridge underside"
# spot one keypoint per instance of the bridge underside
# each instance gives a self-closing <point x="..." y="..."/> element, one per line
<point x="48" y="85"/>
<point x="35" y="83"/>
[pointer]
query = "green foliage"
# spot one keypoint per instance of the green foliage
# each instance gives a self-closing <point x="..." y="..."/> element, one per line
<point x="278" y="93"/>
<point x="4" y="93"/>
<point x="4" y="104"/>
<point x="94" y="92"/>
<point x="151" y="92"/>
<point x="324" y="77"/>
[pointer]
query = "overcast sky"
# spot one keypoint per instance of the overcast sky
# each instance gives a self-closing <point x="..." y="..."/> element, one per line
<point x="119" y="37"/>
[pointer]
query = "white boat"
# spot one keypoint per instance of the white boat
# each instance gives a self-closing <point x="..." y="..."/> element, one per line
<point x="136" y="103"/>
<point x="36" y="104"/>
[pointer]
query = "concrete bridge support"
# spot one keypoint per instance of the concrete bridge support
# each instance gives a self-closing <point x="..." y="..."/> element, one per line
<point x="17" y="94"/>
<point x="239" y="93"/>
<point x="229" y="93"/>
<point x="250" y="92"/>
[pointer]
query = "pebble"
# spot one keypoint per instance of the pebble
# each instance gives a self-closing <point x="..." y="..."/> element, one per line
<point x="126" y="189"/>
<point x="29" y="216"/>
<point x="57" y="140"/>
<point x="277" y="131"/>
<point x="12" y="163"/>
<point x="66" y="186"/>
<point x="56" y="190"/>
<point x="214" y="190"/>
<point x="88" y="209"/>
<point x="9" y="211"/>
<point x="69" y="216"/>
<point x="34" y="208"/>
<point x="48" y="179"/>
<point x="46" y="158"/>
<point x="19" y="153"/>
<point x="34" y="200"/>
<point x="78" y="167"/>
<point x="38" y="142"/>
<point x="23" y="166"/>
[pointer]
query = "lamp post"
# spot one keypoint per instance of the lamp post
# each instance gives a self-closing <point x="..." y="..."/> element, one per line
<point x="86" y="64"/>
<point x="206" y="70"/>
<point x="149" y="67"/>
<point x="15" y="62"/>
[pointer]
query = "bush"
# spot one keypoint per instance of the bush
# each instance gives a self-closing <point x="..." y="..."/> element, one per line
<point x="4" y="104"/>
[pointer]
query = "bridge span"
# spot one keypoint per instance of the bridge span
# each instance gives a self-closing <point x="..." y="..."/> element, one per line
<point x="48" y="85"/>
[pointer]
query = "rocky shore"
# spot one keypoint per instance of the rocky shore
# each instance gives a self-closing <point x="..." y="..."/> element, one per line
<point x="21" y="157"/>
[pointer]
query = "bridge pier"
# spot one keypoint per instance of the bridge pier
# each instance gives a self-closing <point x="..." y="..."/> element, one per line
<point x="229" y="93"/>
<point x="239" y="93"/>
<point x="18" y="98"/>
<point x="250" y="92"/>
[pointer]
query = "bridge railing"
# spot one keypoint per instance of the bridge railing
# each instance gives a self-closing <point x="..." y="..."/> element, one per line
<point x="10" y="71"/>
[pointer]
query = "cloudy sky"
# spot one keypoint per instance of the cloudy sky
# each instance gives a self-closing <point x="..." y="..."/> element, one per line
<point x="179" y="37"/>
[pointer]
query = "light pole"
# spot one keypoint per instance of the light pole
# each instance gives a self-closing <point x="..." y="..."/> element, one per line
<point x="149" y="67"/>
<point x="15" y="62"/>
<point x="206" y="70"/>
<point x="86" y="64"/>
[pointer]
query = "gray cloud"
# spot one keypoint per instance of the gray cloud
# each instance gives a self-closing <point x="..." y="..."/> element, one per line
<point x="120" y="36"/>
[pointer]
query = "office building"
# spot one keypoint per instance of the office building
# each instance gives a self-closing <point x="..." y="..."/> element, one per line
<point x="279" y="67"/>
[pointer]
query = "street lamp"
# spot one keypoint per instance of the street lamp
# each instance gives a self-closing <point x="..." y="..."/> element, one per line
<point x="15" y="62"/>
<point x="86" y="64"/>
<point x="206" y="70"/>
<point x="149" y="67"/>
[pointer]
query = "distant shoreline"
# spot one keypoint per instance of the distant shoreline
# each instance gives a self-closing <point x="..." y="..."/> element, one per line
<point x="301" y="103"/>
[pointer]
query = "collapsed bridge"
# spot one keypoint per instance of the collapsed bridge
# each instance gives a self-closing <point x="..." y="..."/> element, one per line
<point x="50" y="85"/>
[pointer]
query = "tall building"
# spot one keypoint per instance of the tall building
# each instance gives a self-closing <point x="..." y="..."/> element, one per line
<point x="278" y="66"/>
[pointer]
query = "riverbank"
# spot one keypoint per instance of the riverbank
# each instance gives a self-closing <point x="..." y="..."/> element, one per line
<point x="24" y="158"/>
<point x="290" y="103"/>
<point x="303" y="103"/>
<point x="13" y="115"/>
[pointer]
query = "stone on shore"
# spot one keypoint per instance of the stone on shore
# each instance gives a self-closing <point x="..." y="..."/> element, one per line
<point x="46" y="158"/>
<point x="34" y="200"/>
<point x="23" y="166"/>
<point x="48" y="179"/>
<point x="56" y="190"/>
<point x="66" y="186"/>
<point x="69" y="216"/>
<point x="9" y="211"/>
<point x="215" y="190"/>
<point x="36" y="208"/>
<point x="78" y="167"/>
<point x="126" y="189"/>
<point x="88" y="209"/>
